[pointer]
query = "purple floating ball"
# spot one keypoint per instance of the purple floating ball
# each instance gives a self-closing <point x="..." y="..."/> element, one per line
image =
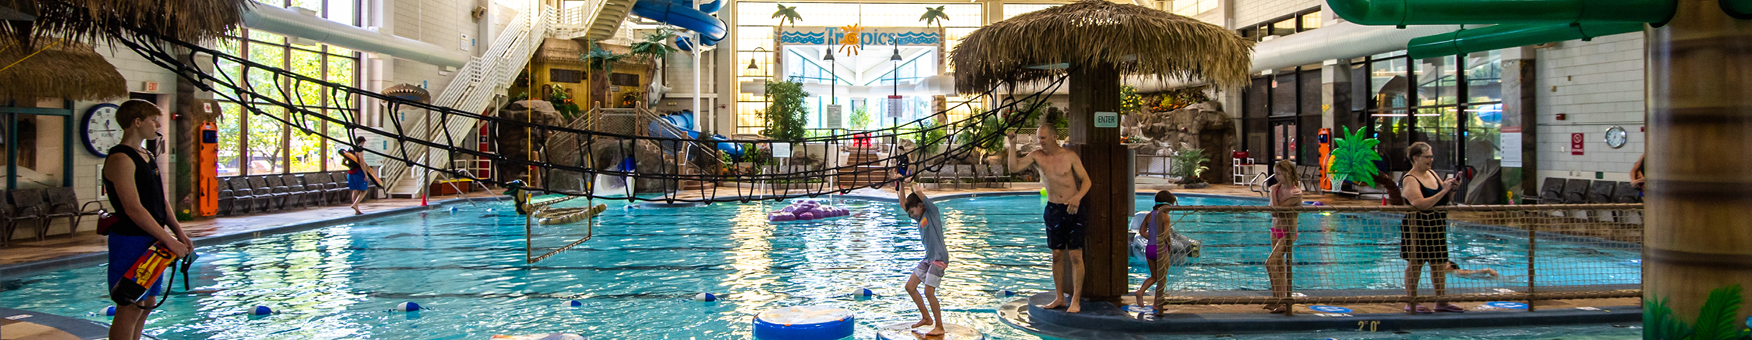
<point x="788" y="209"/>
<point x="806" y="216"/>
<point x="781" y="217"/>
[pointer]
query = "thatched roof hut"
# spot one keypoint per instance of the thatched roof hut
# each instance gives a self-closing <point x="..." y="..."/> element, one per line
<point x="90" y="20"/>
<point x="1135" y="39"/>
<point x="68" y="70"/>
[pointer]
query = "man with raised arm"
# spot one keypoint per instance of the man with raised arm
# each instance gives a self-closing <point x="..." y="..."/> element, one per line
<point x="1066" y="183"/>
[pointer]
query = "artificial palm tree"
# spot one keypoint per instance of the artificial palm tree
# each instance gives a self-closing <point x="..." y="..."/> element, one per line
<point x="934" y="16"/>
<point x="653" y="51"/>
<point x="601" y="63"/>
<point x="786" y="14"/>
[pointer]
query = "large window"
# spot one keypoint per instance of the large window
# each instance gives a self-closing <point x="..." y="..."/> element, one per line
<point x="1452" y="103"/>
<point x="256" y="143"/>
<point x="1301" y="21"/>
<point x="754" y="45"/>
<point x="1193" y="7"/>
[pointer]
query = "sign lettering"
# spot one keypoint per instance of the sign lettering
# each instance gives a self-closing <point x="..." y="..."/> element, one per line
<point x="1106" y="119"/>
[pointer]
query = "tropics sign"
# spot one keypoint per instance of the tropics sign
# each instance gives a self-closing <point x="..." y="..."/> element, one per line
<point x="862" y="36"/>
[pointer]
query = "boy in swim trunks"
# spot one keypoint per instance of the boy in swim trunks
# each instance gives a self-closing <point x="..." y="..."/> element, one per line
<point x="1455" y="268"/>
<point x="930" y="270"/>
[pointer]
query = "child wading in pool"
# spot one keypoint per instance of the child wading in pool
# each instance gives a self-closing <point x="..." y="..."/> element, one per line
<point x="930" y="270"/>
<point x="1155" y="228"/>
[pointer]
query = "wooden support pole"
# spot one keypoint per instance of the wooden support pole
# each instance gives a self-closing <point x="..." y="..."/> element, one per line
<point x="1108" y="205"/>
<point x="1699" y="234"/>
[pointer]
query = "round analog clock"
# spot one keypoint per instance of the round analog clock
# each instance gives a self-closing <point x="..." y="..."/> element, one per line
<point x="100" y="129"/>
<point x="1616" y="137"/>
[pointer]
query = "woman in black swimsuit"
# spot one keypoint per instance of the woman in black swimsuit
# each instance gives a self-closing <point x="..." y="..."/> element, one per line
<point x="1423" y="236"/>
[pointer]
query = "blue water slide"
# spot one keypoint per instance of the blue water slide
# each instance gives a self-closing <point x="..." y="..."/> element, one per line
<point x="684" y="123"/>
<point x="682" y="14"/>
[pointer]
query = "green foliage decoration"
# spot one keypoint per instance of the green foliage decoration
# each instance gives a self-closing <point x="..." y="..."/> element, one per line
<point x="1716" y="321"/>
<point x="785" y="117"/>
<point x="786" y="14"/>
<point x="860" y="118"/>
<point x="1129" y="100"/>
<point x="1354" y="157"/>
<point x="934" y="16"/>
<point x="928" y="138"/>
<point x="1189" y="164"/>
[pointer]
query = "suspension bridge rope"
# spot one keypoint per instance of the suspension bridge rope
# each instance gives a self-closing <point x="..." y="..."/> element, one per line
<point x="164" y="52"/>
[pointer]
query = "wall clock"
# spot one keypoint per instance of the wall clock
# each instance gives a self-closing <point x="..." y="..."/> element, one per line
<point x="1616" y="137"/>
<point x="100" y="130"/>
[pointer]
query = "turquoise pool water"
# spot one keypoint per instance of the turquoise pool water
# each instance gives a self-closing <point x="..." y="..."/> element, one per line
<point x="636" y="277"/>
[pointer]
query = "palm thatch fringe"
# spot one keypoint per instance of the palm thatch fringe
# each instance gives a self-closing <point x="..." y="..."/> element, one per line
<point x="91" y="20"/>
<point x="68" y="70"/>
<point x="1165" y="45"/>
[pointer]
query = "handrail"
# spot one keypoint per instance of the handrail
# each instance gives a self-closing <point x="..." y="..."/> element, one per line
<point x="1256" y="180"/>
<point x="471" y="88"/>
<point x="1341" y="239"/>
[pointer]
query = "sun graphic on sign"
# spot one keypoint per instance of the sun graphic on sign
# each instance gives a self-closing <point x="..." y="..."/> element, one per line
<point x="849" y="44"/>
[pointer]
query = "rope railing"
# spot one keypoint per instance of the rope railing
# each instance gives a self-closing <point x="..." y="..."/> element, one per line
<point x="1363" y="254"/>
<point x="292" y="110"/>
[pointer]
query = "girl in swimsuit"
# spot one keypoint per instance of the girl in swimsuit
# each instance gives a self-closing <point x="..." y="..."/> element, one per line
<point x="1285" y="193"/>
<point x="1155" y="228"/>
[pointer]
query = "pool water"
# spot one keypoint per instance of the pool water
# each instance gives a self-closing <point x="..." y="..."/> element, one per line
<point x="637" y="276"/>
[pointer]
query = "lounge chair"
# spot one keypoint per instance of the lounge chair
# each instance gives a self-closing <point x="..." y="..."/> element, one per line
<point x="1601" y="192"/>
<point x="9" y="218"/>
<point x="1575" y="191"/>
<point x="64" y="202"/>
<point x="277" y="195"/>
<point x="1626" y="193"/>
<point x="28" y="204"/>
<point x="258" y="199"/>
<point x="1552" y="191"/>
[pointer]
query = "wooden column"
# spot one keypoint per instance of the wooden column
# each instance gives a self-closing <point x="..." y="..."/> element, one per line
<point x="1107" y="207"/>
<point x="1698" y="235"/>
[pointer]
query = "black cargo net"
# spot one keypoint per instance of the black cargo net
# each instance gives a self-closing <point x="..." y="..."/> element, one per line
<point x="806" y="182"/>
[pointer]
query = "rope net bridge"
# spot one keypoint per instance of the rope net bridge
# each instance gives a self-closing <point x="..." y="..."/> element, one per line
<point x="598" y="149"/>
<point x="1357" y="255"/>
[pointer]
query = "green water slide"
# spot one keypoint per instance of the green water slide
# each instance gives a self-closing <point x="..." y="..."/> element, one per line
<point x="1515" y="22"/>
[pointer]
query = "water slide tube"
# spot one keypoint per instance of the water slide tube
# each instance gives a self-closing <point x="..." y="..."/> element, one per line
<point x="684" y="122"/>
<point x="1452" y="12"/>
<point x="682" y="14"/>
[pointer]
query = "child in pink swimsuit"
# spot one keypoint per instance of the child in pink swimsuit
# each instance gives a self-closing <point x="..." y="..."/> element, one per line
<point x="1155" y="227"/>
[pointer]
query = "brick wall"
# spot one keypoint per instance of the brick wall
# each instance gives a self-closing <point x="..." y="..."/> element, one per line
<point x="1597" y="84"/>
<point x="1249" y="12"/>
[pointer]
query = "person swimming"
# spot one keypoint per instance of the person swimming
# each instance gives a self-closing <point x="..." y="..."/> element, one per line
<point x="1481" y="273"/>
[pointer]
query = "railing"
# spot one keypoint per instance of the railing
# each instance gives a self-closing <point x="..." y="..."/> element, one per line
<point x="472" y="89"/>
<point x="1154" y="165"/>
<point x="1357" y="254"/>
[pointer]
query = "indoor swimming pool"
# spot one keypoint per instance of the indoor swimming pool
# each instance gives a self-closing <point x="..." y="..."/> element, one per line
<point x="637" y="276"/>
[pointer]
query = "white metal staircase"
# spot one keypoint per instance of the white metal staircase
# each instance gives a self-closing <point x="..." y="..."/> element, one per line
<point x="595" y="20"/>
<point x="471" y="91"/>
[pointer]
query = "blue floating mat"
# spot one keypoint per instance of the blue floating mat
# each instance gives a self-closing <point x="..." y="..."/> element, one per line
<point x="1506" y="305"/>
<point x="804" y="323"/>
<point x="1138" y="309"/>
<point x="1329" y="309"/>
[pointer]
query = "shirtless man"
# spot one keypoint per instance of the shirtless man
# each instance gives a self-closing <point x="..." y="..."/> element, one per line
<point x="1066" y="183"/>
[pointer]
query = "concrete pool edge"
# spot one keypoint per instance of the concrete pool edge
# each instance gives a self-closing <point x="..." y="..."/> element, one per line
<point x="22" y="269"/>
<point x="74" y="327"/>
<point x="1021" y="314"/>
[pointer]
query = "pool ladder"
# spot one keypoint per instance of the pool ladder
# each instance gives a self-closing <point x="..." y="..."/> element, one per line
<point x="1257" y="183"/>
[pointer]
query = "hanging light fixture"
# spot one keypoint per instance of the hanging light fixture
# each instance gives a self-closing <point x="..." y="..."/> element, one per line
<point x="828" y="56"/>
<point x="751" y="64"/>
<point x="896" y="56"/>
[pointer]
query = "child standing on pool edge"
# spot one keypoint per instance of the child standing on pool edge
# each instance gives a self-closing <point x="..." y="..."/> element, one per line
<point x="929" y="270"/>
<point x="1155" y="229"/>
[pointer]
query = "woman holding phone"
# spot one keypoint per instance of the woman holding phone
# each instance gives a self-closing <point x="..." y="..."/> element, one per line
<point x="1423" y="235"/>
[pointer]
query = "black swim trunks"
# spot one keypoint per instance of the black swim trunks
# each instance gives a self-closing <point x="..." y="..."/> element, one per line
<point x="1064" y="230"/>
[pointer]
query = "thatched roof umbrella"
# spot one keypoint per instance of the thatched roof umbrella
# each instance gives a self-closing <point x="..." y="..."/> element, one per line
<point x="409" y="92"/>
<point x="69" y="70"/>
<point x="1134" y="39"/>
<point x="64" y="65"/>
<point x="90" y="20"/>
<point x="1100" y="42"/>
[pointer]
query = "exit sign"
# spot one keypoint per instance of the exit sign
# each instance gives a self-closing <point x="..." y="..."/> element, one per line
<point x="1107" y="119"/>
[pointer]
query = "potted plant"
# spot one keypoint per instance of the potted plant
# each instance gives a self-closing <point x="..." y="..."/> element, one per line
<point x="1189" y="164"/>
